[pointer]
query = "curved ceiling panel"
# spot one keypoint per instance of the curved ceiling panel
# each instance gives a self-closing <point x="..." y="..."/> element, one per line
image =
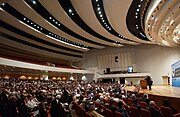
<point x="85" y="10"/>
<point x="37" y="42"/>
<point x="161" y="21"/>
<point x="41" y="10"/>
<point x="11" y="41"/>
<point x="24" y="9"/>
<point x="9" y="19"/>
<point x="63" y="17"/>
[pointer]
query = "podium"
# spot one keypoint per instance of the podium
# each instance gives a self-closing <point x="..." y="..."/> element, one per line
<point x="143" y="84"/>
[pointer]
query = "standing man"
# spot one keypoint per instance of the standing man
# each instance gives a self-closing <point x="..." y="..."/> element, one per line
<point x="149" y="81"/>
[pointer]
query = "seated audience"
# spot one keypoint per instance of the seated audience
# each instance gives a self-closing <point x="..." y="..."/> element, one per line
<point x="154" y="112"/>
<point x="167" y="104"/>
<point x="122" y="110"/>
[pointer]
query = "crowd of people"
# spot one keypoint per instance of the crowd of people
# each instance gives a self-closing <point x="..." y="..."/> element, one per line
<point x="39" y="98"/>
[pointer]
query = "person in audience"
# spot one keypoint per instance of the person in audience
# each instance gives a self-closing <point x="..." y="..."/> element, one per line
<point x="145" y="98"/>
<point x="56" y="108"/>
<point x="122" y="110"/>
<point x="154" y="112"/>
<point x="168" y="104"/>
<point x="136" y="104"/>
<point x="112" y="107"/>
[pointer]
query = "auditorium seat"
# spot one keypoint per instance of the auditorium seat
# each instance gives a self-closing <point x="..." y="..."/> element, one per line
<point x="129" y="101"/>
<point x="176" y="115"/>
<point x="156" y="107"/>
<point x="118" y="114"/>
<point x="143" y="104"/>
<point x="127" y="108"/>
<point x="134" y="112"/>
<point x="145" y="113"/>
<point x="108" y="113"/>
<point x="166" y="111"/>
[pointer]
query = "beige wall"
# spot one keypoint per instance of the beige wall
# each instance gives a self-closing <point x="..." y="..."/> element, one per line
<point x="153" y="59"/>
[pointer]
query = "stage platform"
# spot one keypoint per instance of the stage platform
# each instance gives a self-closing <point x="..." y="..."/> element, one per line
<point x="159" y="93"/>
<point x="167" y="90"/>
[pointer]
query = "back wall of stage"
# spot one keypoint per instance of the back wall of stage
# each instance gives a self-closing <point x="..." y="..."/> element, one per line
<point x="153" y="59"/>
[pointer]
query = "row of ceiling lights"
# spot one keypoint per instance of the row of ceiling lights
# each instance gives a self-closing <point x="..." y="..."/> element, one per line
<point x="104" y="22"/>
<point x="39" y="28"/>
<point x="136" y="16"/>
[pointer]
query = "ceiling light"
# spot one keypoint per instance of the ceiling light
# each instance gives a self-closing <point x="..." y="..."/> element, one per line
<point x="99" y="12"/>
<point x="102" y="20"/>
<point x="24" y="18"/>
<point x="101" y="15"/>
<point x="34" y="24"/>
<point x="27" y="20"/>
<point x="96" y="0"/>
<point x="137" y="9"/>
<point x="136" y="17"/>
<point x="70" y="10"/>
<point x="3" y="4"/>
<point x="50" y="17"/>
<point x="53" y="20"/>
<point x="31" y="23"/>
<point x="98" y="8"/>
<point x="37" y="26"/>
<point x="136" y="13"/>
<point x="34" y="2"/>
<point x="56" y="22"/>
<point x="72" y="13"/>
<point x="97" y="4"/>
<point x="139" y="5"/>
<point x="59" y="24"/>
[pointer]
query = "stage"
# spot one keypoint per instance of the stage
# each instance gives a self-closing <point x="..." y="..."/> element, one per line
<point x="159" y="93"/>
<point x="167" y="90"/>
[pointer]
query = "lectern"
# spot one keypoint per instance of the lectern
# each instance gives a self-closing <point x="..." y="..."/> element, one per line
<point x="143" y="84"/>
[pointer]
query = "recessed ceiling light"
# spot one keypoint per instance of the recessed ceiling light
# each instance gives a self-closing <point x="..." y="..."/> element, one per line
<point x="31" y="23"/>
<point x="34" y="24"/>
<point x="50" y="17"/>
<point x="99" y="12"/>
<point x="137" y="9"/>
<point x="56" y="22"/>
<point x="136" y="16"/>
<point x="139" y="5"/>
<point x="96" y="0"/>
<point x="3" y="4"/>
<point x="136" y="13"/>
<point x="98" y="8"/>
<point x="24" y="18"/>
<point x="101" y="15"/>
<point x="37" y="26"/>
<point x="102" y="20"/>
<point x="59" y="24"/>
<point x="34" y="2"/>
<point x="70" y="10"/>
<point x="72" y="13"/>
<point x="53" y="20"/>
<point x="97" y="4"/>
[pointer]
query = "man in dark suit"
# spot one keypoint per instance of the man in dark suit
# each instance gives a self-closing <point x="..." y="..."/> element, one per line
<point x="149" y="81"/>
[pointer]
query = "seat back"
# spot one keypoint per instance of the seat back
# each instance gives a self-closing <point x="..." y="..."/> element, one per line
<point x="108" y="113"/>
<point x="166" y="111"/>
<point x="118" y="114"/>
<point x="145" y="113"/>
<point x="127" y="108"/>
<point x="143" y="104"/>
<point x="129" y="101"/>
<point x="134" y="112"/>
